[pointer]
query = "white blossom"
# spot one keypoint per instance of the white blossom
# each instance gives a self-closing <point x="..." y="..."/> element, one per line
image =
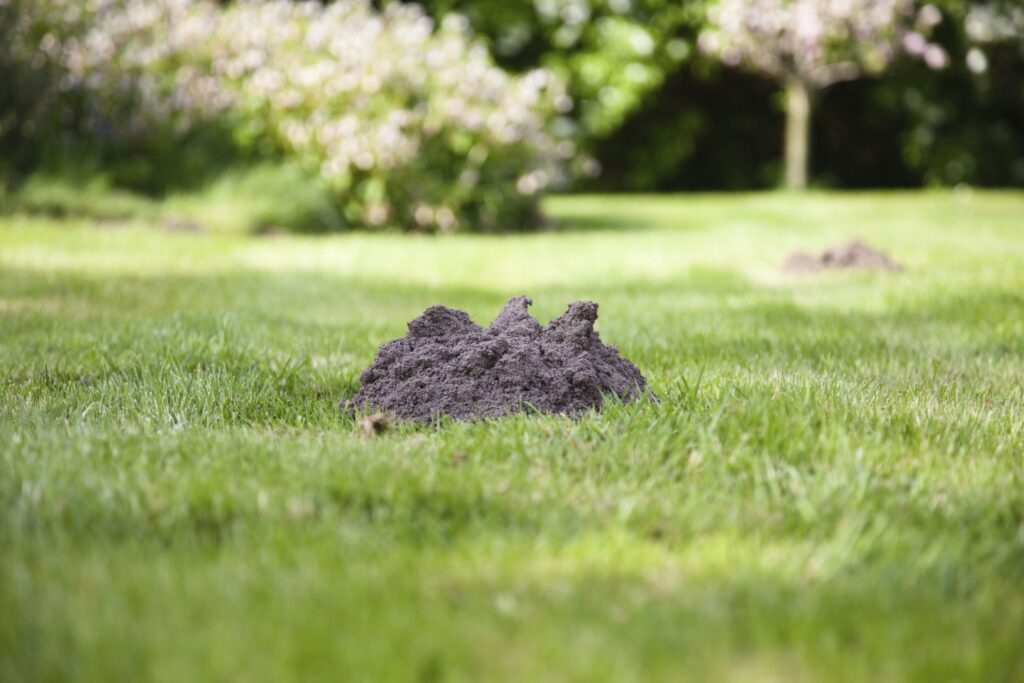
<point x="976" y="60"/>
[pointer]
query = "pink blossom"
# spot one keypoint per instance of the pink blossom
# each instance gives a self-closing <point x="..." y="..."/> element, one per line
<point x="819" y="41"/>
<point x="935" y="57"/>
<point x="915" y="43"/>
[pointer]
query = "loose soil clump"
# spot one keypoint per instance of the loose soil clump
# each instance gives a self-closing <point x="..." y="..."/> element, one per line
<point x="449" y="365"/>
<point x="856" y="254"/>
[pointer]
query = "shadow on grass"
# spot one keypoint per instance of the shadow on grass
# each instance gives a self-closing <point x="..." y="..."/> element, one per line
<point x="566" y="221"/>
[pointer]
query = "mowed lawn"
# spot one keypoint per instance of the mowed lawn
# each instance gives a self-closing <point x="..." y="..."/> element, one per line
<point x="831" y="489"/>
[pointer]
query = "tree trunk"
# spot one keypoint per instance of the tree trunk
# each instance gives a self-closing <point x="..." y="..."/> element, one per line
<point x="798" y="133"/>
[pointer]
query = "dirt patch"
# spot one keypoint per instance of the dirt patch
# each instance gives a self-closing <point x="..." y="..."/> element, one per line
<point x="184" y="225"/>
<point x="271" y="231"/>
<point x="449" y="365"/>
<point x="856" y="254"/>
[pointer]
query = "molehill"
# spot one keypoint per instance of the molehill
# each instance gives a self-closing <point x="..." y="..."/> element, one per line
<point x="449" y="365"/>
<point x="856" y="254"/>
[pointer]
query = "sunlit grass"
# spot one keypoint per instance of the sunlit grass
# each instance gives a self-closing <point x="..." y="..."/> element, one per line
<point x="832" y="487"/>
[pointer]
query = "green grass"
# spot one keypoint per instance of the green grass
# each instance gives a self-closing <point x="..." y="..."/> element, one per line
<point x="831" y="489"/>
<point x="255" y="199"/>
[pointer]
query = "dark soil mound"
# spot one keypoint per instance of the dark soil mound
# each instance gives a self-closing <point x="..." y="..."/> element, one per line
<point x="449" y="365"/>
<point x="856" y="254"/>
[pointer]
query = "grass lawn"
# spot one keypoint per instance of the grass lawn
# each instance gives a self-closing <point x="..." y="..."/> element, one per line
<point x="832" y="488"/>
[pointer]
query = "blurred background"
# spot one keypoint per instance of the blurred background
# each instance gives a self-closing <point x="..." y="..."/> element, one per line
<point x="460" y="114"/>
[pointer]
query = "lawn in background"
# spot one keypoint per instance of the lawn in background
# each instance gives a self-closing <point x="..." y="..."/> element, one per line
<point x="831" y="489"/>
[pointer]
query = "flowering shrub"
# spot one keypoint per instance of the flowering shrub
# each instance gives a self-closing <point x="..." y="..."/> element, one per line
<point x="412" y="125"/>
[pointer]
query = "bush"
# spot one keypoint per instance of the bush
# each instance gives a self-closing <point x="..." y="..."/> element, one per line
<point x="61" y="197"/>
<point x="30" y="68"/>
<point x="409" y="125"/>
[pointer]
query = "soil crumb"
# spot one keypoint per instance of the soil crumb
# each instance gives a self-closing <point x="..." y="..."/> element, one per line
<point x="376" y="424"/>
<point x="856" y="254"/>
<point x="184" y="225"/>
<point x="449" y="365"/>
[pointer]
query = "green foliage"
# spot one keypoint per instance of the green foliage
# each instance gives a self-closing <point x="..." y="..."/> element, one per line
<point x="59" y="197"/>
<point x="31" y="74"/>
<point x="688" y="124"/>
<point x="613" y="54"/>
<point x="965" y="124"/>
<point x="244" y="199"/>
<point x="831" y="489"/>
<point x="265" y="197"/>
